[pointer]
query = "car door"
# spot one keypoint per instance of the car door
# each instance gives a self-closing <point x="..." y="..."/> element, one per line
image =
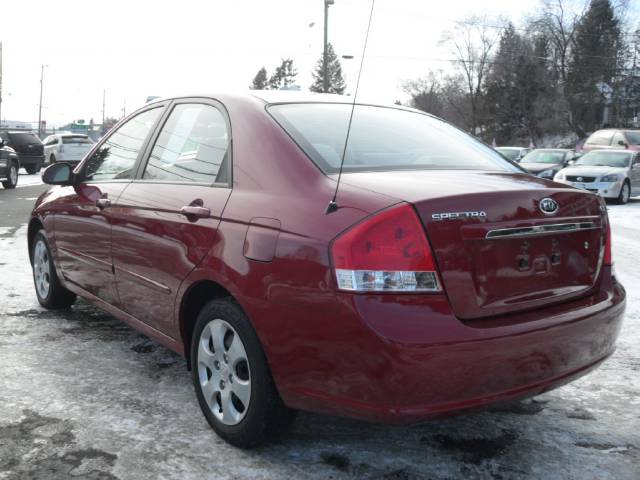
<point x="83" y="225"/>
<point x="166" y="220"/>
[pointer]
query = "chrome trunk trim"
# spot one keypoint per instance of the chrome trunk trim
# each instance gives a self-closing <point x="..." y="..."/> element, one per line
<point x="540" y="230"/>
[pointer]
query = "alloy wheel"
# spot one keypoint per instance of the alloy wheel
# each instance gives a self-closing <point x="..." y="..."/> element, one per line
<point x="626" y="193"/>
<point x="223" y="371"/>
<point x="13" y="175"/>
<point x="42" y="269"/>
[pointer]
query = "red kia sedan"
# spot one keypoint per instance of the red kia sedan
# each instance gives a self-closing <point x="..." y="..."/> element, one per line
<point x="443" y="278"/>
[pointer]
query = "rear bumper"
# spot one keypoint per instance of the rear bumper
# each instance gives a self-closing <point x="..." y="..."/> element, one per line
<point x="31" y="160"/>
<point x="422" y="362"/>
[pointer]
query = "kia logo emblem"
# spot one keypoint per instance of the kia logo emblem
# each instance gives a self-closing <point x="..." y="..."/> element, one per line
<point x="579" y="179"/>
<point x="548" y="206"/>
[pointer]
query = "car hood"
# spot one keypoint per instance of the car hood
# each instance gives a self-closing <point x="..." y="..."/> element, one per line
<point x="592" y="171"/>
<point x="418" y="185"/>
<point x="538" y="167"/>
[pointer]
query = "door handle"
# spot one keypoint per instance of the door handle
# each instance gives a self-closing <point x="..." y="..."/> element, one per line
<point x="195" y="211"/>
<point x="103" y="203"/>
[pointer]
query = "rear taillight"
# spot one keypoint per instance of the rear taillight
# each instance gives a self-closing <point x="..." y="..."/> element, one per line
<point x="608" y="258"/>
<point x="386" y="252"/>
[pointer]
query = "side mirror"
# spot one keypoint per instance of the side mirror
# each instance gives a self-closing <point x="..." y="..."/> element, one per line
<point x="622" y="143"/>
<point x="58" y="174"/>
<point x="1" y="142"/>
<point x="571" y="162"/>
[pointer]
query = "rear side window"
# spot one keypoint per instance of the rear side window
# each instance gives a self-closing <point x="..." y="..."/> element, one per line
<point x="116" y="157"/>
<point x="23" y="138"/>
<point x="603" y="137"/>
<point x="192" y="146"/>
<point x="383" y="138"/>
<point x="71" y="140"/>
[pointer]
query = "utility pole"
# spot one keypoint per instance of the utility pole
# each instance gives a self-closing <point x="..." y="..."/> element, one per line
<point x="0" y="82"/>
<point x="40" y="104"/>
<point x="104" y="96"/>
<point x="325" y="79"/>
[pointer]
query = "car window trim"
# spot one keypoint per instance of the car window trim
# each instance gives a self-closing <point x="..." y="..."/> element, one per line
<point x="212" y="102"/>
<point x="79" y="170"/>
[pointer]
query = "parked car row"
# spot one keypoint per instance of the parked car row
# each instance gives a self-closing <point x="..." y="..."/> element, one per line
<point x="608" y="163"/>
<point x="24" y="149"/>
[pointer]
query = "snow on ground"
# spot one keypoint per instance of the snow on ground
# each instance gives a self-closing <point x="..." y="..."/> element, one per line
<point x="82" y="394"/>
<point x="26" y="180"/>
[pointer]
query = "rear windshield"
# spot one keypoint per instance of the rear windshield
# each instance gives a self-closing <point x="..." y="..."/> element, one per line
<point x="383" y="138"/>
<point x="510" y="153"/>
<point x="75" y="139"/>
<point x="605" y="159"/>
<point x="544" y="156"/>
<point x="633" y="137"/>
<point x="23" y="138"/>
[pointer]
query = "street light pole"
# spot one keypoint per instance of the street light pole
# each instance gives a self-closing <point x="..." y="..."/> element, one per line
<point x="325" y="79"/>
<point x="40" y="104"/>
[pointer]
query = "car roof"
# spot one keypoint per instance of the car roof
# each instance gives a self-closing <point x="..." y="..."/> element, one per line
<point x="286" y="96"/>
<point x="552" y="150"/>
<point x="617" y="152"/>
<point x="514" y="148"/>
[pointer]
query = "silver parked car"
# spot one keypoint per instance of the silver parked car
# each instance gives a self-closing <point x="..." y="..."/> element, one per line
<point x="609" y="173"/>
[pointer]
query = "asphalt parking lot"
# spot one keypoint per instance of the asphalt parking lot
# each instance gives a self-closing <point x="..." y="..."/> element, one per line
<point x="82" y="395"/>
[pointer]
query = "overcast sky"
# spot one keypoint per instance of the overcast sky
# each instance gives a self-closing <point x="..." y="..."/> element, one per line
<point x="133" y="49"/>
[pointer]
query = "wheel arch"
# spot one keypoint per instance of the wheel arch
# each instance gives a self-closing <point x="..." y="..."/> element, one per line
<point x="195" y="298"/>
<point x="35" y="225"/>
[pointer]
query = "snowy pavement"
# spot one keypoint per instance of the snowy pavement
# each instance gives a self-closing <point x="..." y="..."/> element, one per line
<point x="83" y="395"/>
<point x="27" y="180"/>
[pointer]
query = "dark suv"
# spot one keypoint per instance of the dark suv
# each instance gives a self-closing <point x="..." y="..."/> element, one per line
<point x="9" y="166"/>
<point x="28" y="147"/>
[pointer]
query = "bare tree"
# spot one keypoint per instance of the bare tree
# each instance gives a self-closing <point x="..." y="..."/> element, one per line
<point x="472" y="42"/>
<point x="557" y="22"/>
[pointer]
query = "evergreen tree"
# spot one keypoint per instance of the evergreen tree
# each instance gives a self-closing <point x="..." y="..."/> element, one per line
<point x="513" y="86"/>
<point x="594" y="65"/>
<point x="260" y="80"/>
<point x="284" y="75"/>
<point x="334" y="74"/>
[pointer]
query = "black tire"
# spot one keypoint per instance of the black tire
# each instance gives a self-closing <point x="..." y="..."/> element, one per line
<point x="33" y="169"/>
<point x="266" y="416"/>
<point x="57" y="296"/>
<point x="623" y="198"/>
<point x="10" y="183"/>
<point x="52" y="159"/>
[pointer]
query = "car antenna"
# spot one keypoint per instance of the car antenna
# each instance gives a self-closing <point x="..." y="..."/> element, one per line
<point x="333" y="205"/>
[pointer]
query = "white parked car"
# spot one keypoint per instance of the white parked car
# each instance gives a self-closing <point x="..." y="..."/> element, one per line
<point x="609" y="173"/>
<point x="66" y="147"/>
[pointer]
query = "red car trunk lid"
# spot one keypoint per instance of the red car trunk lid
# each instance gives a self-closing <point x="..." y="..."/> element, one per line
<point x="502" y="253"/>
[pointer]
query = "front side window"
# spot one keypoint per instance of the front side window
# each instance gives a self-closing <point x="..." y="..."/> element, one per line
<point x="192" y="146"/>
<point x="602" y="137"/>
<point x="618" y="140"/>
<point x="384" y="139"/>
<point x="116" y="157"/>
